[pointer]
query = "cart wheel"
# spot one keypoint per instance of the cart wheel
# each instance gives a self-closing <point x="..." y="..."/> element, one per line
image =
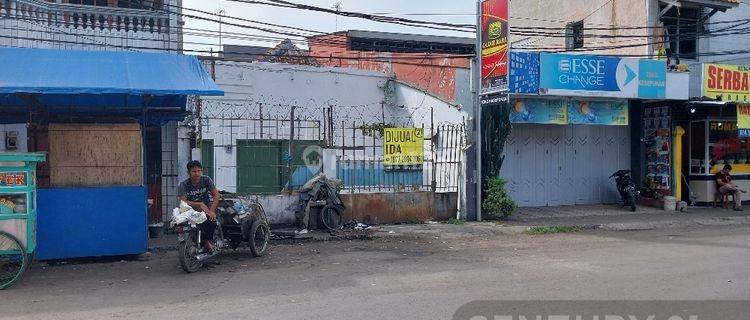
<point x="13" y="260"/>
<point x="258" y="238"/>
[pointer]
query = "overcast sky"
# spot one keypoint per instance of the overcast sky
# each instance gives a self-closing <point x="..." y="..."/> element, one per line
<point x="460" y="12"/>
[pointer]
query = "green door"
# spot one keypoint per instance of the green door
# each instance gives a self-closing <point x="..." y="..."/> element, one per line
<point x="259" y="164"/>
<point x="207" y="158"/>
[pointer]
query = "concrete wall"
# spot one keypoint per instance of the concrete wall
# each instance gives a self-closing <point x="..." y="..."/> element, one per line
<point x="41" y="24"/>
<point x="266" y="91"/>
<point x="375" y="208"/>
<point x="21" y="140"/>
<point x="385" y="208"/>
<point x="279" y="208"/>
<point x="444" y="77"/>
<point x="546" y="13"/>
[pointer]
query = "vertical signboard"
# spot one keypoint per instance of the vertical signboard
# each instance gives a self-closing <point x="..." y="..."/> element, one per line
<point x="495" y="45"/>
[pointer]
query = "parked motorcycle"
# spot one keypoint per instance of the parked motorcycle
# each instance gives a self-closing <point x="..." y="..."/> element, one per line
<point x="235" y="224"/>
<point x="629" y="195"/>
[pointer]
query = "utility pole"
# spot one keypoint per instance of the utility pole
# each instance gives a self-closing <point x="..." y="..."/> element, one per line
<point x="478" y="115"/>
<point x="221" y="15"/>
<point x="337" y="6"/>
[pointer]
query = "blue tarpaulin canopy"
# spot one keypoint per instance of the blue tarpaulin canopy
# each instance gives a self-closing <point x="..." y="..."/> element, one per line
<point x="111" y="82"/>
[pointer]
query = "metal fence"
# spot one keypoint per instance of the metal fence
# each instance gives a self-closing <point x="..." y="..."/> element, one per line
<point x="257" y="148"/>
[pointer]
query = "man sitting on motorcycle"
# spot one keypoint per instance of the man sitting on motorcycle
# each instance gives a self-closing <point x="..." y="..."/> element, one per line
<point x="199" y="192"/>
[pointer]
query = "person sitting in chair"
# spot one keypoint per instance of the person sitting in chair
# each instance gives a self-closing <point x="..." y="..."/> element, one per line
<point x="726" y="186"/>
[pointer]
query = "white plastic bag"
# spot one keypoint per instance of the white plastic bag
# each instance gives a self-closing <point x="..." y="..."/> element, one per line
<point x="185" y="213"/>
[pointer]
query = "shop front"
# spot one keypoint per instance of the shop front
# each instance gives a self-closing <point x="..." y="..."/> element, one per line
<point x="90" y="113"/>
<point x="717" y="132"/>
<point x="572" y="121"/>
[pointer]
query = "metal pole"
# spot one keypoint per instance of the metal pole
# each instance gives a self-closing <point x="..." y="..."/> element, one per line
<point x="478" y="112"/>
<point x="290" y="159"/>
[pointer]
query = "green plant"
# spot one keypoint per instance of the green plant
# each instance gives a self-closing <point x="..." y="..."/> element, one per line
<point x="370" y="129"/>
<point x="497" y="202"/>
<point x="456" y="221"/>
<point x="552" y="229"/>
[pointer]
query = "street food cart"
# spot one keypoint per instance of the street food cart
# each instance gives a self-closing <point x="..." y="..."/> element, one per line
<point x="17" y="214"/>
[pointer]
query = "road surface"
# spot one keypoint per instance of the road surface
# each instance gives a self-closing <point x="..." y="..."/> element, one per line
<point x="396" y="278"/>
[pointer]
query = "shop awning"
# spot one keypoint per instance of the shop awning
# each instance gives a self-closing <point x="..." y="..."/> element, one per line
<point x="89" y="82"/>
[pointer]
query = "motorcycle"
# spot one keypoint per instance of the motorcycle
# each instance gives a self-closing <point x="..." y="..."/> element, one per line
<point x="235" y="225"/>
<point x="629" y="195"/>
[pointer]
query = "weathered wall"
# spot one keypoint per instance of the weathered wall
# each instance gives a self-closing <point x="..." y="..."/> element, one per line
<point x="279" y="208"/>
<point x="22" y="136"/>
<point x="609" y="14"/>
<point x="436" y="73"/>
<point x="267" y="91"/>
<point x="385" y="208"/>
<point x="40" y="24"/>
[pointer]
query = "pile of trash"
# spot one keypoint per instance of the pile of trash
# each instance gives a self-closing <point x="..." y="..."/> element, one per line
<point x="356" y="225"/>
<point x="232" y="210"/>
<point x="185" y="213"/>
<point x="319" y="205"/>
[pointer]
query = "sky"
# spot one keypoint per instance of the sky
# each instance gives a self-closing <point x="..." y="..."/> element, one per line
<point x="458" y="11"/>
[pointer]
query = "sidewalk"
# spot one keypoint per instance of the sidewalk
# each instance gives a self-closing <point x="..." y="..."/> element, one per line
<point x="610" y="217"/>
<point x="601" y="217"/>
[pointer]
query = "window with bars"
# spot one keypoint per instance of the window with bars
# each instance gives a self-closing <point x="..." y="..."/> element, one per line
<point x="682" y="28"/>
<point x="574" y="35"/>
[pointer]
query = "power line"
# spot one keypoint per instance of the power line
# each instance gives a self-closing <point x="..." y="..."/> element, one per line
<point x="372" y="17"/>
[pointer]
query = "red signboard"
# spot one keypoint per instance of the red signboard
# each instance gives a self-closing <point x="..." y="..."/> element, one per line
<point x="12" y="179"/>
<point x="495" y="45"/>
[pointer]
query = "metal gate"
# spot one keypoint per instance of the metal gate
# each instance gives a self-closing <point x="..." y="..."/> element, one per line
<point x="551" y="165"/>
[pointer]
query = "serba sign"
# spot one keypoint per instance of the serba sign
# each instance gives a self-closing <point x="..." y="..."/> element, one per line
<point x="727" y="82"/>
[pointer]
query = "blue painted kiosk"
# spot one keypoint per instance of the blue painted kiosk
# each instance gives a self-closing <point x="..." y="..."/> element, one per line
<point x="90" y="110"/>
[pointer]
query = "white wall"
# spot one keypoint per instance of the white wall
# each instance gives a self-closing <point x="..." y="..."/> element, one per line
<point x="43" y="25"/>
<point x="22" y="134"/>
<point x="556" y="14"/>
<point x="268" y="91"/>
<point x="265" y="90"/>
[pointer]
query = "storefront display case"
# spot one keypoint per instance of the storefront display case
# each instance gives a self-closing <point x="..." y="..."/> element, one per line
<point x="715" y="142"/>
<point x="18" y="196"/>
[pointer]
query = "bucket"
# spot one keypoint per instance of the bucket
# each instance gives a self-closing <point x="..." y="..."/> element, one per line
<point x="155" y="230"/>
<point x="670" y="203"/>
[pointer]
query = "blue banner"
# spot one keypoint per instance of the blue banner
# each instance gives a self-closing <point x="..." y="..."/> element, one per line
<point x="524" y="72"/>
<point x="539" y="111"/>
<point x="599" y="76"/>
<point x="598" y="112"/>
<point x="653" y="79"/>
<point x="579" y="72"/>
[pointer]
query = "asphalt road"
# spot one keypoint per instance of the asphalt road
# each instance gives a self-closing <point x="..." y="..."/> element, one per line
<point x="426" y="278"/>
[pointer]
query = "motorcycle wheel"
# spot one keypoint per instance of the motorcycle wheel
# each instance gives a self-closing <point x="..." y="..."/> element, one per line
<point x="188" y="252"/>
<point x="258" y="238"/>
<point x="632" y="206"/>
